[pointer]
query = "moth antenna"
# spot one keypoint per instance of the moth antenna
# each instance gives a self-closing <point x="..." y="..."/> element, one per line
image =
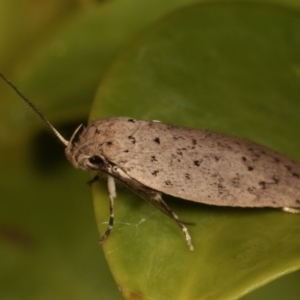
<point x="59" y="136"/>
<point x="74" y="134"/>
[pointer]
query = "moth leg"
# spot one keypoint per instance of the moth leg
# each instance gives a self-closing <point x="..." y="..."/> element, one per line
<point x="112" y="195"/>
<point x="148" y="194"/>
<point x="92" y="180"/>
<point x="291" y="210"/>
<point x="163" y="206"/>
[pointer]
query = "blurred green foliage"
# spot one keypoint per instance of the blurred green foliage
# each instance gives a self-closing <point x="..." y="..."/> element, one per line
<point x="226" y="67"/>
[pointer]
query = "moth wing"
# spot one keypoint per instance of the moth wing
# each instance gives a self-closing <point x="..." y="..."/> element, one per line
<point x="210" y="168"/>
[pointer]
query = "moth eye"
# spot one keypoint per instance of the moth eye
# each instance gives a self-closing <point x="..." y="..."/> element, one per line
<point x="96" y="160"/>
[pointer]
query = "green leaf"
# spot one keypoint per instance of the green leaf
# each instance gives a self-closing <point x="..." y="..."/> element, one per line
<point x="227" y="67"/>
<point x="56" y="56"/>
<point x="24" y="24"/>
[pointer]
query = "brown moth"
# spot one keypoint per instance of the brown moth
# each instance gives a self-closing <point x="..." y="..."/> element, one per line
<point x="153" y="158"/>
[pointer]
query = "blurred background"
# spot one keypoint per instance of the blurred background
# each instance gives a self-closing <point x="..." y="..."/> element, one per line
<point x="57" y="52"/>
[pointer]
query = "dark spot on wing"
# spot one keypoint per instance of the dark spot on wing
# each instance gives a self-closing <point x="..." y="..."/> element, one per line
<point x="157" y="140"/>
<point x="221" y="189"/>
<point x="109" y="143"/>
<point x="251" y="190"/>
<point x="236" y="181"/>
<point x="250" y="168"/>
<point x="132" y="139"/>
<point x="262" y="184"/>
<point x="289" y="168"/>
<point x="154" y="173"/>
<point x="197" y="163"/>
<point x="179" y="152"/>
<point x="175" y="138"/>
<point x="153" y="158"/>
<point x="131" y="120"/>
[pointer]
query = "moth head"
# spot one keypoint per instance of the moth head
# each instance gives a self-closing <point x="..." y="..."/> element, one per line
<point x="84" y="155"/>
<point x="89" y="162"/>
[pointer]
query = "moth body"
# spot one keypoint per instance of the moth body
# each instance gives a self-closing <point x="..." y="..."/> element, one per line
<point x="191" y="164"/>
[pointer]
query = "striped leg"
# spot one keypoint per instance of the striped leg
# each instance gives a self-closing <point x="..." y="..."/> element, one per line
<point x="155" y="199"/>
<point x="112" y="195"/>
<point x="167" y="210"/>
<point x="291" y="210"/>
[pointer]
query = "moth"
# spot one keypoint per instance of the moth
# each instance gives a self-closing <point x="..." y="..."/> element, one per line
<point x="152" y="158"/>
